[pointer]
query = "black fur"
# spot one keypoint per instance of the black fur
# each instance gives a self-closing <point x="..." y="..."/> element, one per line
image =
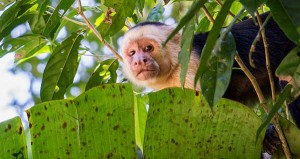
<point x="240" y="88"/>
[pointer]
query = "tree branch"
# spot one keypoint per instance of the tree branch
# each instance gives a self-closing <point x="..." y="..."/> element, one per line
<point x="268" y="66"/>
<point x="89" y="25"/>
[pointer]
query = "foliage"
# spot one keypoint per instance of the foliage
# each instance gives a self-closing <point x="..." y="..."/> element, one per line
<point x="55" y="28"/>
<point x="100" y="124"/>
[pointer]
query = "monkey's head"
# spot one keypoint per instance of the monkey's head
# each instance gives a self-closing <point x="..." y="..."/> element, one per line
<point x="147" y="62"/>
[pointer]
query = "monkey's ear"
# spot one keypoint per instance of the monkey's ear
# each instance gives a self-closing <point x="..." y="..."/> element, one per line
<point x="177" y="36"/>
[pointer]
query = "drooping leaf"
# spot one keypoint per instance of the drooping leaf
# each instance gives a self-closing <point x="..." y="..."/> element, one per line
<point x="52" y="22"/>
<point x="187" y="17"/>
<point x="289" y="69"/>
<point x="25" y="47"/>
<point x="251" y="6"/>
<point x="5" y="3"/>
<point x="10" y="15"/>
<point x="140" y="5"/>
<point x="211" y="39"/>
<point x="20" y="20"/>
<point x="61" y="68"/>
<point x="181" y="125"/>
<point x="216" y="77"/>
<point x="43" y="4"/>
<point x="286" y="14"/>
<point x="278" y="104"/>
<point x="105" y="73"/>
<point x="156" y="13"/>
<point x="186" y="49"/>
<point x="113" y="23"/>
<point x="67" y="23"/>
<point x="37" y="24"/>
<point x="12" y="137"/>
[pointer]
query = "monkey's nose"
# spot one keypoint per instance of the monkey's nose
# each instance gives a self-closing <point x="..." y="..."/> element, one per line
<point x="141" y="62"/>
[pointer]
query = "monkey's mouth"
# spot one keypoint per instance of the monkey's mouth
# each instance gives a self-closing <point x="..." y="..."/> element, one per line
<point x="145" y="74"/>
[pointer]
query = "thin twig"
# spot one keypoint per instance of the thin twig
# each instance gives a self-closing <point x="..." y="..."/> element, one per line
<point x="257" y="38"/>
<point x="268" y="66"/>
<point x="208" y="15"/>
<point x="253" y="82"/>
<point x="69" y="19"/>
<point x="230" y="13"/>
<point x="96" y="32"/>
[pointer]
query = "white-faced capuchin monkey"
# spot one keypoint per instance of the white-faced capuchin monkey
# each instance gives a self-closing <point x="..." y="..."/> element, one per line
<point x="149" y="64"/>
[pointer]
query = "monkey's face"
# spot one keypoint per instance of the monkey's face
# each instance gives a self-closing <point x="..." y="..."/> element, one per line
<point x="146" y="61"/>
<point x="140" y="57"/>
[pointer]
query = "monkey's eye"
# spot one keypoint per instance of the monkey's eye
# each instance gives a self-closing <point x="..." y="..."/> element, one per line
<point x="148" y="48"/>
<point x="131" y="53"/>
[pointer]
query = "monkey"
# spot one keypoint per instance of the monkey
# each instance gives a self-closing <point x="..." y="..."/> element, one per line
<point x="147" y="63"/>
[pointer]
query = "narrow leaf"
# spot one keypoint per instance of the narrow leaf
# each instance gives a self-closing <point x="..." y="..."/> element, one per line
<point x="279" y="102"/>
<point x="216" y="78"/>
<point x="251" y="6"/>
<point x="186" y="49"/>
<point x="289" y="69"/>
<point x="25" y="46"/>
<point x="187" y="17"/>
<point x="105" y="73"/>
<point x="19" y="20"/>
<point x="9" y="15"/>
<point x="140" y="5"/>
<point x="5" y="3"/>
<point x="53" y="21"/>
<point x="61" y="68"/>
<point x="286" y="14"/>
<point x="211" y="39"/>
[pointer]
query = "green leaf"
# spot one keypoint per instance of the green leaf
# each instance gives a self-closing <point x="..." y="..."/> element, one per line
<point x="156" y="13"/>
<point x="181" y="125"/>
<point x="216" y="78"/>
<point x="37" y="24"/>
<point x="61" y="68"/>
<point x="25" y="47"/>
<point x="289" y="69"/>
<point x="97" y="124"/>
<point x="5" y="3"/>
<point x="286" y="14"/>
<point x="140" y="115"/>
<point x="187" y="17"/>
<point x="54" y="130"/>
<point x="105" y="73"/>
<point x="122" y="9"/>
<point x="19" y="20"/>
<point x="211" y="40"/>
<point x="9" y="15"/>
<point x="291" y="133"/>
<point x="106" y="122"/>
<point x="186" y="49"/>
<point x="278" y="104"/>
<point x="53" y="21"/>
<point x="12" y="137"/>
<point x="251" y="6"/>
<point x="140" y="5"/>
